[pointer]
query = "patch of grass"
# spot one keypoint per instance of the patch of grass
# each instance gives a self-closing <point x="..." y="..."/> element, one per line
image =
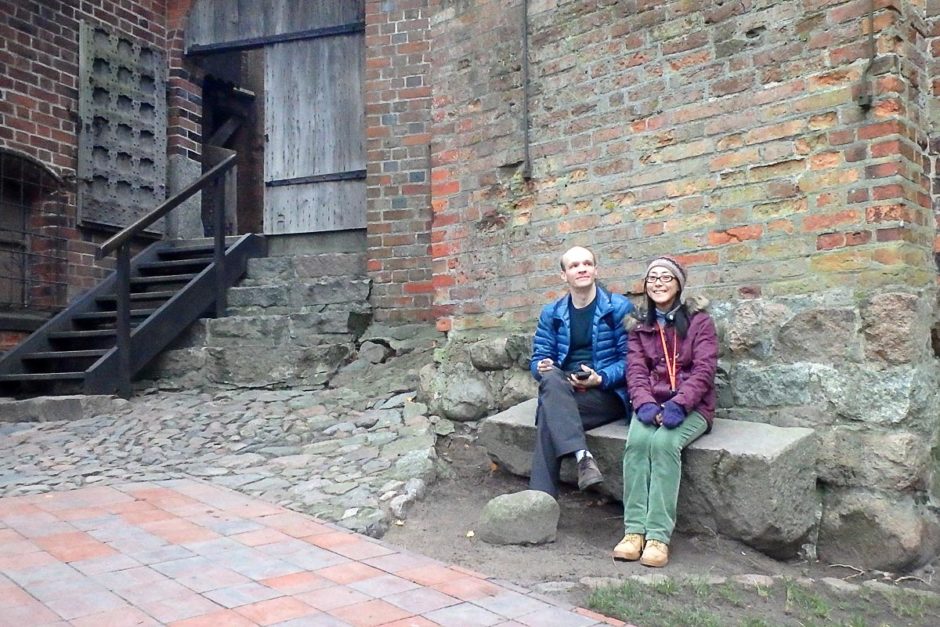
<point x="694" y="618"/>
<point x="805" y="601"/>
<point x="910" y="605"/>
<point x="629" y="601"/>
<point x="667" y="587"/>
<point x="730" y="594"/>
<point x="700" y="587"/>
<point x="695" y="603"/>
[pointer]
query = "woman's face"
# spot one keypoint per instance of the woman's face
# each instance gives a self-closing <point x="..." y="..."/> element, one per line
<point x="662" y="288"/>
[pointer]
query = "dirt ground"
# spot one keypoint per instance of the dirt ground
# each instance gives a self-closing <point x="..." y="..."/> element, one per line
<point x="588" y="529"/>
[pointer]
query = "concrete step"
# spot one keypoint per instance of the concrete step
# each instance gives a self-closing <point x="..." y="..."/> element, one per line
<point x="749" y="481"/>
<point x="289" y="269"/>
<point x="330" y="324"/>
<point x="251" y="365"/>
<point x="297" y="296"/>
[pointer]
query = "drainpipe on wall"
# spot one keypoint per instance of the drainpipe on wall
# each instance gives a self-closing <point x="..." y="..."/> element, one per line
<point x="864" y="97"/>
<point x="527" y="161"/>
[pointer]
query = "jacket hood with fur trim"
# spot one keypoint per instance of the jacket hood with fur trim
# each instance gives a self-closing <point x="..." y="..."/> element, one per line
<point x="693" y="305"/>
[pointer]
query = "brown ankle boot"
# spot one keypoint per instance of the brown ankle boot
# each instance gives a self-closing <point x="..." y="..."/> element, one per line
<point x="630" y="548"/>
<point x="656" y="554"/>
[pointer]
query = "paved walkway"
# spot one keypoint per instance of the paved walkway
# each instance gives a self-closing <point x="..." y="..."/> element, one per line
<point x="186" y="553"/>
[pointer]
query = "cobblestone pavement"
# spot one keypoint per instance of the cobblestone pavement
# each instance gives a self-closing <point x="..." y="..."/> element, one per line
<point x="337" y="454"/>
<point x="188" y="554"/>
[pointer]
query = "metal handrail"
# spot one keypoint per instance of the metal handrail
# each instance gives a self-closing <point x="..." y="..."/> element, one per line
<point x="122" y="244"/>
<point x="166" y="206"/>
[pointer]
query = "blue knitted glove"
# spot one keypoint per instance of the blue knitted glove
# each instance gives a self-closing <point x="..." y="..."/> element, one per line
<point x="647" y="413"/>
<point x="673" y="414"/>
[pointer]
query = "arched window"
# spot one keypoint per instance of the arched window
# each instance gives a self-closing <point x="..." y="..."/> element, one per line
<point x="32" y="253"/>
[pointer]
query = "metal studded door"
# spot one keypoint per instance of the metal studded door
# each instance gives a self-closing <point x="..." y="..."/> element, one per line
<point x="122" y="136"/>
<point x="314" y="127"/>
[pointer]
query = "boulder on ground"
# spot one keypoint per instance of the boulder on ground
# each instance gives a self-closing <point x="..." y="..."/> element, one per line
<point x="879" y="531"/>
<point x="527" y="517"/>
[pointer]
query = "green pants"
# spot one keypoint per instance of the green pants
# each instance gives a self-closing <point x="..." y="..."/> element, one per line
<point x="652" y="467"/>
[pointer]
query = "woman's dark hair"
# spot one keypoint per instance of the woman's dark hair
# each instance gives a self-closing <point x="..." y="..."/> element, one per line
<point x="678" y="317"/>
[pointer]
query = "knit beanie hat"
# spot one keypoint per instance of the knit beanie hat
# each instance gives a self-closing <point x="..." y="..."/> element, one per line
<point x="671" y="264"/>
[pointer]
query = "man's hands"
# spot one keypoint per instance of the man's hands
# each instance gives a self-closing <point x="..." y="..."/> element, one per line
<point x="593" y="379"/>
<point x="545" y="365"/>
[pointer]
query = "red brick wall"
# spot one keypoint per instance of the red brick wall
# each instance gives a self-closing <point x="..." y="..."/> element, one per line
<point x="398" y="102"/>
<point x="184" y="104"/>
<point x="38" y="110"/>
<point x="725" y="133"/>
<point x="932" y="34"/>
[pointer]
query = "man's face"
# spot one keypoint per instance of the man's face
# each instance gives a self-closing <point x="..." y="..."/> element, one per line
<point x="579" y="272"/>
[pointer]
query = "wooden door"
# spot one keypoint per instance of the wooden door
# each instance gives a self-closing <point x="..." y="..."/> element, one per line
<point x="314" y="157"/>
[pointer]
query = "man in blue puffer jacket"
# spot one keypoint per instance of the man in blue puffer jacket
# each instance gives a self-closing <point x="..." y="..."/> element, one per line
<point x="579" y="355"/>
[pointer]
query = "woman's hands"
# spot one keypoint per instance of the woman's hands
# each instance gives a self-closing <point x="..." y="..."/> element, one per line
<point x="670" y="415"/>
<point x="647" y="413"/>
<point x="673" y="414"/>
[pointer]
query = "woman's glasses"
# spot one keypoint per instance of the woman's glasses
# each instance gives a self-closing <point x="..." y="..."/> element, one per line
<point x="665" y="278"/>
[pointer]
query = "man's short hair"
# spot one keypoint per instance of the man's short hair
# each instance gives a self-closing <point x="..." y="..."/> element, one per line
<point x="561" y="260"/>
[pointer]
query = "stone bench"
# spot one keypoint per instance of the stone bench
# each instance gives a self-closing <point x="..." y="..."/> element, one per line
<point x="745" y="480"/>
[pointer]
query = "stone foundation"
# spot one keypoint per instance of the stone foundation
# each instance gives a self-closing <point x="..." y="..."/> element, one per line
<point x="858" y="369"/>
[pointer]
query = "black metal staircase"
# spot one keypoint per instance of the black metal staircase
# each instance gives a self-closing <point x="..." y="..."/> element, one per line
<point x="172" y="283"/>
<point x="103" y="339"/>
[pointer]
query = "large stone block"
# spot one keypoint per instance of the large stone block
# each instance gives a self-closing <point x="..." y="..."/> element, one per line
<point x="458" y="392"/>
<point x="258" y="297"/>
<point x="490" y="354"/>
<point x="752" y="482"/>
<point x="881" y="531"/>
<point x="255" y="330"/>
<point x="258" y="366"/>
<point x="330" y="264"/>
<point x="820" y="335"/>
<point x="331" y="320"/>
<point x="896" y="328"/>
<point x="854" y="456"/>
<point x="55" y="408"/>
<point x="331" y="291"/>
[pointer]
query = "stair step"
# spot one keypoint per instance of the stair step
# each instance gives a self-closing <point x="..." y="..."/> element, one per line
<point x="64" y="354"/>
<point x="43" y="376"/>
<point x="111" y="298"/>
<point x="164" y="278"/>
<point x="111" y="315"/>
<point x="157" y="266"/>
<point x="194" y="248"/>
<point x="262" y="270"/>
<point x="78" y="335"/>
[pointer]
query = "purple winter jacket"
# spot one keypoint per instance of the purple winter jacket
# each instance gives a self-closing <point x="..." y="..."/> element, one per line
<point x="647" y="376"/>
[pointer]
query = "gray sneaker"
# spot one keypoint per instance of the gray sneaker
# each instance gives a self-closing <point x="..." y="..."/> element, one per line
<point x="588" y="473"/>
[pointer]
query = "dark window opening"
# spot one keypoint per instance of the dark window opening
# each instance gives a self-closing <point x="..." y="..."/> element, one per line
<point x="33" y="254"/>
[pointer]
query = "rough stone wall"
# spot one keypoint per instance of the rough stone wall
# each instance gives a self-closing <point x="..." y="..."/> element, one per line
<point x="398" y="105"/>
<point x="38" y="110"/>
<point x="734" y="135"/>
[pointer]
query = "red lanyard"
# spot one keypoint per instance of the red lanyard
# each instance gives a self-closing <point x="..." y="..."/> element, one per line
<point x="670" y="363"/>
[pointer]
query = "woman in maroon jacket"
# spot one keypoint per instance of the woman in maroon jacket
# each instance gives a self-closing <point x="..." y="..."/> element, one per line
<point x="672" y="355"/>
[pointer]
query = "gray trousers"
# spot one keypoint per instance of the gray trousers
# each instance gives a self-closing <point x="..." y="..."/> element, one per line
<point x="562" y="417"/>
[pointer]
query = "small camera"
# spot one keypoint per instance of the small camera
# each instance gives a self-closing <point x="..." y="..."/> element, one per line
<point x="582" y="376"/>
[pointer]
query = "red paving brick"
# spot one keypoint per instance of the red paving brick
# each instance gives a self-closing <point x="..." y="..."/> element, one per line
<point x="125" y="555"/>
<point x="369" y="613"/>
<point x="276" y="610"/>
<point x="297" y="582"/>
<point x="348" y="573"/>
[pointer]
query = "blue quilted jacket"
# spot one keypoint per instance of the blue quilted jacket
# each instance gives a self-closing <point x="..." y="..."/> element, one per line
<point x="553" y="339"/>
